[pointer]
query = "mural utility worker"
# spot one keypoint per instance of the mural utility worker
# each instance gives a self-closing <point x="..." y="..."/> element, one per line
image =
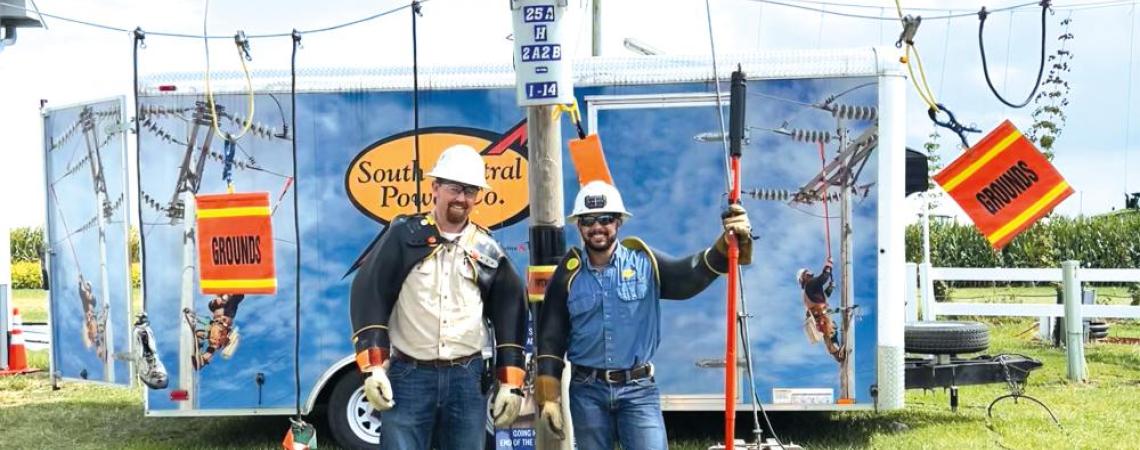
<point x="90" y="326"/>
<point x="602" y="311"/>
<point x="222" y="335"/>
<point x="419" y="304"/>
<point x="816" y="290"/>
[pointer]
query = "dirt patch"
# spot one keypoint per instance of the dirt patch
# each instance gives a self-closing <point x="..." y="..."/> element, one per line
<point x="1122" y="340"/>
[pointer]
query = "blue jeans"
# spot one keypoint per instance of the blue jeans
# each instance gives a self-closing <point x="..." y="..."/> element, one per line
<point x="605" y="413"/>
<point x="444" y="405"/>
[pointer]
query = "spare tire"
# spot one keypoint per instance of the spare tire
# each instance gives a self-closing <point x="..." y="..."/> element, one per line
<point x="946" y="338"/>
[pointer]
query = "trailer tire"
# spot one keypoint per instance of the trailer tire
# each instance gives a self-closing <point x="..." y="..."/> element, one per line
<point x="946" y="338"/>
<point x="1098" y="327"/>
<point x="351" y="418"/>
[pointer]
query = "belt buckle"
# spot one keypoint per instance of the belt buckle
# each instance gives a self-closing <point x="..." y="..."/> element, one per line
<point x="607" y="375"/>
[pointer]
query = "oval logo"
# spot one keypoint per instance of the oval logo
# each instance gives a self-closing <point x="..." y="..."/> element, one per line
<point x="379" y="181"/>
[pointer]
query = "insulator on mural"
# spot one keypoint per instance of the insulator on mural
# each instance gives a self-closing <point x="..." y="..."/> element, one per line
<point x="809" y="135"/>
<point x="854" y="112"/>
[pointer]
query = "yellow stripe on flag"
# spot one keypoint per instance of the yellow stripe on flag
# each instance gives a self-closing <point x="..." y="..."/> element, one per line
<point x="247" y="211"/>
<point x="1029" y="212"/>
<point x="240" y="284"/>
<point x="991" y="154"/>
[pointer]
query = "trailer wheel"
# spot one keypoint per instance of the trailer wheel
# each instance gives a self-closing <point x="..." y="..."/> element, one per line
<point x="354" y="423"/>
<point x="946" y="338"/>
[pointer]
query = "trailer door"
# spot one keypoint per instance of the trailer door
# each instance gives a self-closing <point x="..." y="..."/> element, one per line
<point x="90" y="305"/>
<point x="230" y="352"/>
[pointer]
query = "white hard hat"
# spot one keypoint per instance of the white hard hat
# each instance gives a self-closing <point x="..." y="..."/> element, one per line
<point x="800" y="275"/>
<point x="598" y="197"/>
<point x="461" y="163"/>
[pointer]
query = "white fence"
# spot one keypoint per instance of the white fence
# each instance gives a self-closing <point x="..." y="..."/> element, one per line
<point x="1070" y="275"/>
<point x="924" y="276"/>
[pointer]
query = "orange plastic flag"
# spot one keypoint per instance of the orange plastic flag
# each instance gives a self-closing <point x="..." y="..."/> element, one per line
<point x="589" y="160"/>
<point x="235" y="244"/>
<point x="1004" y="184"/>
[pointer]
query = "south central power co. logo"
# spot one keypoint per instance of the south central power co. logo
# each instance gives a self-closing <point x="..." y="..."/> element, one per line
<point x="380" y="180"/>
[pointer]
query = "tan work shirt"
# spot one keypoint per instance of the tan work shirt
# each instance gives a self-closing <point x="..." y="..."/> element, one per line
<point x="439" y="313"/>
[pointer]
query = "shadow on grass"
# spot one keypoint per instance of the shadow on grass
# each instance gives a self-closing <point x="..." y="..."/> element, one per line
<point x="810" y="429"/>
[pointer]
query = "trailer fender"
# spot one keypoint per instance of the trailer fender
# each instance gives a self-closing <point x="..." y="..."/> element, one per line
<point x="324" y="380"/>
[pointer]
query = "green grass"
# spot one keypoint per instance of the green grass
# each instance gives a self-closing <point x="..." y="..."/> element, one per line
<point x="1097" y="414"/>
<point x="33" y="303"/>
<point x="1039" y="294"/>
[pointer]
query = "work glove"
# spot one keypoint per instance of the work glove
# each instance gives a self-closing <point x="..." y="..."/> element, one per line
<point x="548" y="393"/>
<point x="378" y="388"/>
<point x="735" y="221"/>
<point x="506" y="404"/>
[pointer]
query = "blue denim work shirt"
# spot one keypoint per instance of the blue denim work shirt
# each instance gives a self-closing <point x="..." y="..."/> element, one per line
<point x="615" y="313"/>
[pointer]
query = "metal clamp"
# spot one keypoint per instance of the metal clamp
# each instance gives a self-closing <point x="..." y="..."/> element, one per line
<point x="952" y="124"/>
<point x="910" y="27"/>
<point x="242" y="43"/>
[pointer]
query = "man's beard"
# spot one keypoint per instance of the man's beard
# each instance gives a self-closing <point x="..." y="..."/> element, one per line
<point x="456" y="217"/>
<point x="602" y="247"/>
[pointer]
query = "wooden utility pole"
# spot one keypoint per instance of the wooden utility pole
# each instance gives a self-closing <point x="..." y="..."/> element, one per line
<point x="846" y="365"/>
<point x="596" y="29"/>
<point x="544" y="81"/>
<point x="547" y="220"/>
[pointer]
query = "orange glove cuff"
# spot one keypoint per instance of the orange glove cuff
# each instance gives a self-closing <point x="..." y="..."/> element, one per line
<point x="547" y="388"/>
<point x="513" y="376"/>
<point x="371" y="357"/>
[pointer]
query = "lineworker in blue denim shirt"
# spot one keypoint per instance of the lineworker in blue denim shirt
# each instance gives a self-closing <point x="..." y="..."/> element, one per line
<point x="606" y="321"/>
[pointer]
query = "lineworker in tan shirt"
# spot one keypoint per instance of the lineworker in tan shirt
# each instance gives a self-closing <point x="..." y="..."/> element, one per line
<point x="419" y="304"/>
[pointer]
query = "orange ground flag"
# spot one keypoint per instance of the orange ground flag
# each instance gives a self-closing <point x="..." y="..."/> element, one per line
<point x="1004" y="184"/>
<point x="589" y="160"/>
<point x="235" y="244"/>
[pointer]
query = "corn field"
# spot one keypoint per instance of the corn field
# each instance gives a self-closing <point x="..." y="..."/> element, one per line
<point x="1108" y="241"/>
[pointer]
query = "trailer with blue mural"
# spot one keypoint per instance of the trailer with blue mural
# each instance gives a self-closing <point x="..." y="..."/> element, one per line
<point x="823" y="174"/>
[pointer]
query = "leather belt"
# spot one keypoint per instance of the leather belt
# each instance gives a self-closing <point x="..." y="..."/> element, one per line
<point x="436" y="362"/>
<point x="614" y="376"/>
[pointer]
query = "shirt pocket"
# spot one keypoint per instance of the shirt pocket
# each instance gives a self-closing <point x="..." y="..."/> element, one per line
<point x="582" y="303"/>
<point x="466" y="268"/>
<point x="632" y="288"/>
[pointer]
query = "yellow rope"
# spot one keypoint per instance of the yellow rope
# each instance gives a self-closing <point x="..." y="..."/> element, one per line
<point x="924" y="91"/>
<point x="210" y="99"/>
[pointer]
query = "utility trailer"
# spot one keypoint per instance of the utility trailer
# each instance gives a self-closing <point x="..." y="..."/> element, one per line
<point x="352" y="172"/>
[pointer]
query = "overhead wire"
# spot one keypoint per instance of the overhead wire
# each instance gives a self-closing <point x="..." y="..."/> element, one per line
<point x="204" y="35"/>
<point x="210" y="93"/>
<point x="957" y="15"/>
<point x="784" y="3"/>
<point x="719" y="105"/>
<point x="138" y="41"/>
<point x="296" y="225"/>
<point x="985" y="68"/>
<point x="742" y="316"/>
<point x="870" y="17"/>
<point x="910" y="27"/>
<point x="416" y="177"/>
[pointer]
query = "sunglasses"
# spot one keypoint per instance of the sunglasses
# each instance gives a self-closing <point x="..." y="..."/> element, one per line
<point x="456" y="189"/>
<point x="589" y="221"/>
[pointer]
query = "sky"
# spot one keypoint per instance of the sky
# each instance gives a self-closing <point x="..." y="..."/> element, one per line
<point x="68" y="63"/>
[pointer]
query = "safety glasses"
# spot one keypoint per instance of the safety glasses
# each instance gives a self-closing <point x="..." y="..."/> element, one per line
<point x="456" y="188"/>
<point x="589" y="221"/>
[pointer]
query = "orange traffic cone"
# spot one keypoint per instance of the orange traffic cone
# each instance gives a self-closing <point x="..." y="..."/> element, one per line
<point x="17" y="354"/>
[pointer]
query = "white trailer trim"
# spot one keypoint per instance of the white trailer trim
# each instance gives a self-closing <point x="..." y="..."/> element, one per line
<point x="933" y="309"/>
